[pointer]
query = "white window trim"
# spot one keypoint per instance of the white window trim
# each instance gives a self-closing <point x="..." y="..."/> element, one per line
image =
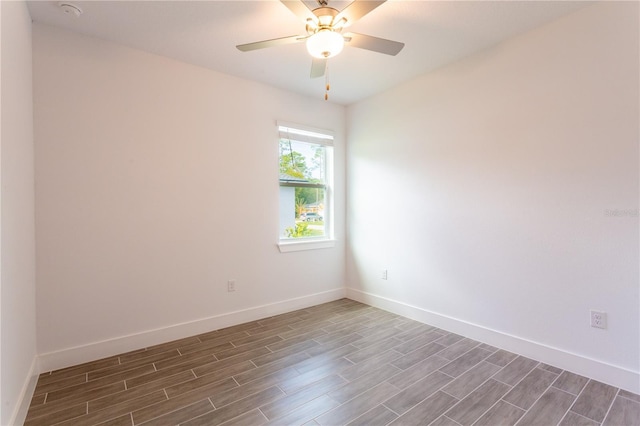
<point x="301" y="137"/>
<point x="299" y="245"/>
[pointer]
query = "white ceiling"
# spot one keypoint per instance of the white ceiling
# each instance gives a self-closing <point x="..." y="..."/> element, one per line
<point x="205" y="33"/>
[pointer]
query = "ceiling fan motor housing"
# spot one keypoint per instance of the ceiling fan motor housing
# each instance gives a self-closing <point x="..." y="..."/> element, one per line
<point x="325" y="17"/>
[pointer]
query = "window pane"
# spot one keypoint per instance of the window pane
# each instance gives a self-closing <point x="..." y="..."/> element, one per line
<point x="302" y="190"/>
<point x="302" y="212"/>
<point x="303" y="161"/>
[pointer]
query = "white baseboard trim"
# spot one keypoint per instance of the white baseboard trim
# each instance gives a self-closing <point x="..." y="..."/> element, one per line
<point x="598" y="370"/>
<point x="102" y="349"/>
<point x="20" y="410"/>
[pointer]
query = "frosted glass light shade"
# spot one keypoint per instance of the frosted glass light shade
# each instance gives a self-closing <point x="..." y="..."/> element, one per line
<point x="325" y="44"/>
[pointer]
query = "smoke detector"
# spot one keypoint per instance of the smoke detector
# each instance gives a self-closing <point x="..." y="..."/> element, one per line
<point x="70" y="9"/>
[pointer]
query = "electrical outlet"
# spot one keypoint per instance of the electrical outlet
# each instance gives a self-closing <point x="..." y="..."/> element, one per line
<point x="598" y="319"/>
<point x="231" y="285"/>
<point x="384" y="275"/>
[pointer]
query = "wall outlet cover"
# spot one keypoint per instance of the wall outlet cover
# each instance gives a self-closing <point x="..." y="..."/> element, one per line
<point x="599" y="319"/>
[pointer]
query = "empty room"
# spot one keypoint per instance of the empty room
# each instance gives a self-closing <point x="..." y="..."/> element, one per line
<point x="319" y="213"/>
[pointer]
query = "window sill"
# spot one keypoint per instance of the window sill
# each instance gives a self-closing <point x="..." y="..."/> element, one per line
<point x="289" y="246"/>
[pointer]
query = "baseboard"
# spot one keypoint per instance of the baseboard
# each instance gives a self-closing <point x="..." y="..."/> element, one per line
<point x="20" y="410"/>
<point x="97" y="350"/>
<point x="598" y="370"/>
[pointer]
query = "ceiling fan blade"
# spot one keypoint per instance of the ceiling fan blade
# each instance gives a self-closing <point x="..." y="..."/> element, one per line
<point x="270" y="43"/>
<point x="318" y="67"/>
<point x="376" y="44"/>
<point x="300" y="10"/>
<point x="355" y="11"/>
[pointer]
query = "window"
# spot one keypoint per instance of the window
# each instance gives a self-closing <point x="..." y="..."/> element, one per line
<point x="306" y="159"/>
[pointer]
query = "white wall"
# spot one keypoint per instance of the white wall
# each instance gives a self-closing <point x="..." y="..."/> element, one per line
<point x="17" y="295"/>
<point x="150" y="175"/>
<point x="484" y="187"/>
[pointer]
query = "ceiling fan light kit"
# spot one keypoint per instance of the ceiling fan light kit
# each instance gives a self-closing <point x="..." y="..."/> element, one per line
<point x="325" y="43"/>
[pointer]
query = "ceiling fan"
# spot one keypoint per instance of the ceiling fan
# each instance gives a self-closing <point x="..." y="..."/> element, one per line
<point x="324" y="36"/>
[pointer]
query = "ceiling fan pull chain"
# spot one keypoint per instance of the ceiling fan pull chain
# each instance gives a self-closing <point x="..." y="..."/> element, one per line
<point x="327" y="85"/>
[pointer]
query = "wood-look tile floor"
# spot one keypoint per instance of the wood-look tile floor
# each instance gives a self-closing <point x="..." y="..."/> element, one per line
<point x="333" y="364"/>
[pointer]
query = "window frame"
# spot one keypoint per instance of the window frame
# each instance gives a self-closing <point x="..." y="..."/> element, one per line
<point x="307" y="134"/>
